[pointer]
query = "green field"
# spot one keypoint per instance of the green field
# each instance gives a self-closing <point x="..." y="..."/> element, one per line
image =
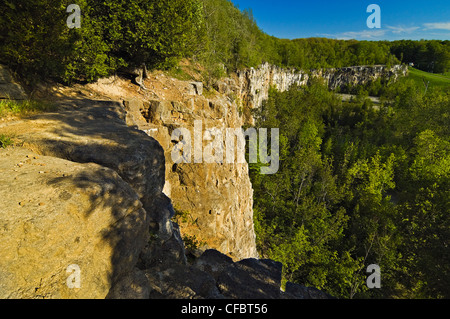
<point x="436" y="80"/>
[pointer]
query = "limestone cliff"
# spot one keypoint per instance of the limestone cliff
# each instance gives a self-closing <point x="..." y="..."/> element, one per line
<point x="254" y="84"/>
<point x="215" y="200"/>
<point x="57" y="208"/>
<point x="94" y="185"/>
<point x="83" y="215"/>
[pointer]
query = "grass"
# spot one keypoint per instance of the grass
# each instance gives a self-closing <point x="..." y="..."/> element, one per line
<point x="23" y="108"/>
<point x="179" y="73"/>
<point x="436" y="80"/>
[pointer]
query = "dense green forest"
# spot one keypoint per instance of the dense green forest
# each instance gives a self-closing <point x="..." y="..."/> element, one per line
<point x="36" y="42"/>
<point x="357" y="185"/>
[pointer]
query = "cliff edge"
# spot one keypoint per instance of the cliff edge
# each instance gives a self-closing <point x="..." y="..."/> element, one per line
<point x="90" y="195"/>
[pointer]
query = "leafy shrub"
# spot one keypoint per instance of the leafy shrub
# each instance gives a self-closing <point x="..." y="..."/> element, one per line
<point x="5" y="141"/>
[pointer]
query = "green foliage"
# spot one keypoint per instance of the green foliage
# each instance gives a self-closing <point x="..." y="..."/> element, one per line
<point x="184" y="217"/>
<point x="5" y="141"/>
<point x="358" y="185"/>
<point x="34" y="39"/>
<point x="297" y="220"/>
<point x="427" y="55"/>
<point x="191" y="243"/>
<point x="429" y="81"/>
<point x="21" y="108"/>
<point x="36" y="42"/>
<point x="181" y="216"/>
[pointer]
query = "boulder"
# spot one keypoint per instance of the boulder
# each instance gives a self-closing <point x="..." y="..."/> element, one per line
<point x="133" y="285"/>
<point x="251" y="279"/>
<point x="196" y="88"/>
<point x="56" y="213"/>
<point x="182" y="282"/>
<point x="89" y="131"/>
<point x="213" y="262"/>
<point x="163" y="254"/>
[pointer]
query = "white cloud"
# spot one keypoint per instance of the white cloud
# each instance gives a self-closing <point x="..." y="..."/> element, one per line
<point x="365" y="34"/>
<point x="389" y="32"/>
<point x="437" y="26"/>
<point x="400" y="29"/>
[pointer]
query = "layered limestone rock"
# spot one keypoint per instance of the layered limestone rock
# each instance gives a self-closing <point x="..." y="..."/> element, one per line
<point x="214" y="201"/>
<point x="254" y="84"/>
<point x="56" y="215"/>
<point x="57" y="211"/>
<point x="77" y="229"/>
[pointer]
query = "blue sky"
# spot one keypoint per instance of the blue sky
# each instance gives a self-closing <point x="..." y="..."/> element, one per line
<point x="400" y="19"/>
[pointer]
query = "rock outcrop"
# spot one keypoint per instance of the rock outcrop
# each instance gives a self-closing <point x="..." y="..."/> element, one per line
<point x="215" y="199"/>
<point x="94" y="185"/>
<point x="214" y="275"/>
<point x="10" y="89"/>
<point x="85" y="192"/>
<point x="55" y="213"/>
<point x="254" y="84"/>
<point x="63" y="209"/>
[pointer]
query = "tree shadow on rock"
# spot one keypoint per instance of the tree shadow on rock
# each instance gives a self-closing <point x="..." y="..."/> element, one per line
<point x="88" y="131"/>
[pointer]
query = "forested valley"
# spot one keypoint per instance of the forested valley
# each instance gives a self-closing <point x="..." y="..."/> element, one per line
<point x="358" y="184"/>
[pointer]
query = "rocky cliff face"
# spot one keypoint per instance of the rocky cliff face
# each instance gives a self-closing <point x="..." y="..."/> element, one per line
<point x="254" y="84"/>
<point x="213" y="201"/>
<point x="216" y="199"/>
<point x="83" y="215"/>
<point x="94" y="186"/>
<point x="58" y="208"/>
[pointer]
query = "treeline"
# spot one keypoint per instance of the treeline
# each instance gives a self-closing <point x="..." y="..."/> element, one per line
<point x="430" y="56"/>
<point x="358" y="185"/>
<point x="36" y="42"/>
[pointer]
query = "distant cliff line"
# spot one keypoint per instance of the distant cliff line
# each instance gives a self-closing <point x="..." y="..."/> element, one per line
<point x="254" y="84"/>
